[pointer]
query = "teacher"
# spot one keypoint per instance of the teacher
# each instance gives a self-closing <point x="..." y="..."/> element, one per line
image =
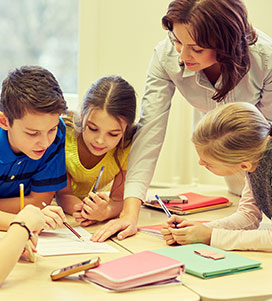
<point x="212" y="55"/>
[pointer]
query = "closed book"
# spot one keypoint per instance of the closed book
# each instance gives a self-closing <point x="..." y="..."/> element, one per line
<point x="135" y="270"/>
<point x="206" y="267"/>
<point x="195" y="203"/>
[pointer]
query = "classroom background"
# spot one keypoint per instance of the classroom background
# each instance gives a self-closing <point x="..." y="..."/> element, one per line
<point x="117" y="37"/>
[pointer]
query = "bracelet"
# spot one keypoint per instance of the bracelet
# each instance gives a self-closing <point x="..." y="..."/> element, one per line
<point x="22" y="224"/>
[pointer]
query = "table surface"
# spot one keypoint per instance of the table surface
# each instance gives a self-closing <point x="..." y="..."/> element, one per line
<point x="253" y="285"/>
<point x="31" y="281"/>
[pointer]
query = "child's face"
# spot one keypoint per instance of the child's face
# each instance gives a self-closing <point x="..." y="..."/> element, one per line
<point x="216" y="167"/>
<point x="194" y="57"/>
<point x="33" y="133"/>
<point x="102" y="132"/>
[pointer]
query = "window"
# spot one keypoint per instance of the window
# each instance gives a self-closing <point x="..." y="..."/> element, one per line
<point x="41" y="32"/>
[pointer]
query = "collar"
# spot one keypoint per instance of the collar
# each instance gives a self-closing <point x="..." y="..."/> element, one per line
<point x="7" y="155"/>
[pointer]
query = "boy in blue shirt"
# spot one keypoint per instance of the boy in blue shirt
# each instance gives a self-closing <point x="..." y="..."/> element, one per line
<point x="32" y="139"/>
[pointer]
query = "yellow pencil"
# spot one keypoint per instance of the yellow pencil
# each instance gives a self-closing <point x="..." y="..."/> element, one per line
<point x="22" y="197"/>
<point x="28" y="247"/>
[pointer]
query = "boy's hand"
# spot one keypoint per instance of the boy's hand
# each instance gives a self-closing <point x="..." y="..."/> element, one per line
<point x="54" y="216"/>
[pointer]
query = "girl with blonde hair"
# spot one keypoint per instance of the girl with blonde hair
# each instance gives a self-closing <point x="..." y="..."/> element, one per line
<point x="231" y="138"/>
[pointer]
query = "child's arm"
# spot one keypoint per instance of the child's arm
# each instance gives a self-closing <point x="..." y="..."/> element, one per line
<point x="12" y="245"/>
<point x="12" y="205"/>
<point x="5" y="219"/>
<point x="66" y="199"/>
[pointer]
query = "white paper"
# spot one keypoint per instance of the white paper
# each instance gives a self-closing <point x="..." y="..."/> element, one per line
<point x="63" y="242"/>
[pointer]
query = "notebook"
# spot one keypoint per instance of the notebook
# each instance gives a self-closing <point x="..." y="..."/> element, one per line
<point x="206" y="267"/>
<point x="196" y="203"/>
<point x="155" y="230"/>
<point x="135" y="270"/>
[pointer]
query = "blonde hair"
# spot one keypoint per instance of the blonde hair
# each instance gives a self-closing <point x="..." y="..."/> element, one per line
<point x="233" y="133"/>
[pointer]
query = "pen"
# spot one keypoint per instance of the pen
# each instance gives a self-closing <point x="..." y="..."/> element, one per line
<point x="165" y="209"/>
<point x="22" y="198"/>
<point x="94" y="188"/>
<point x="68" y="227"/>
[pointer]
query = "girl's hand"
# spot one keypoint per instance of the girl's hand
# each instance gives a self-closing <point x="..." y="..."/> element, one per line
<point x="54" y="216"/>
<point x="95" y="207"/>
<point x="189" y="232"/>
<point x="169" y="224"/>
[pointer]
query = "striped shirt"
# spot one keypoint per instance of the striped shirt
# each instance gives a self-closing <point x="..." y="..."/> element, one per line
<point x="43" y="175"/>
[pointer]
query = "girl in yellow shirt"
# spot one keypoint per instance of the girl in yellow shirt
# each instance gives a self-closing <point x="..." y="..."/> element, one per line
<point x="100" y="136"/>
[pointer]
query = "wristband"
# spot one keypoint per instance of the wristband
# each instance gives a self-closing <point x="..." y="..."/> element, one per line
<point x="22" y="224"/>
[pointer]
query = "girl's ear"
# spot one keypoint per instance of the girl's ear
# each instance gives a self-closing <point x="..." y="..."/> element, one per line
<point x="247" y="166"/>
<point x="4" y="124"/>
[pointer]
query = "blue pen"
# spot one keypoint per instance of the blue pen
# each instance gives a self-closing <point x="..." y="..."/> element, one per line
<point x="165" y="209"/>
<point x="94" y="188"/>
<point x="98" y="179"/>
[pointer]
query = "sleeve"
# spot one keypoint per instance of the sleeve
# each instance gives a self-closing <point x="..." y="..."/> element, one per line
<point x="51" y="175"/>
<point x="263" y="60"/>
<point x="149" y="138"/>
<point x="239" y="230"/>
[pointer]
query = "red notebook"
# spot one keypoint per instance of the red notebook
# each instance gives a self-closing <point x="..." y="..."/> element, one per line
<point x="196" y="203"/>
<point x="135" y="270"/>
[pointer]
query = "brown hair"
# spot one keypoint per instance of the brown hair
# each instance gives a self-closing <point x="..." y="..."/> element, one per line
<point x="233" y="133"/>
<point x="31" y="89"/>
<point x="118" y="98"/>
<point x="221" y="25"/>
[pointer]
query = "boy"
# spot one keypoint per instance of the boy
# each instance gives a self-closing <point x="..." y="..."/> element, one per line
<point x="32" y="138"/>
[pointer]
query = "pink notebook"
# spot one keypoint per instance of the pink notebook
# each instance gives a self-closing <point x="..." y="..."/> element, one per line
<point x="196" y="203"/>
<point x="135" y="270"/>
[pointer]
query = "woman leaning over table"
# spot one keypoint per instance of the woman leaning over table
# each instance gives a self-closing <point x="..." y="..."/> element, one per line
<point x="212" y="55"/>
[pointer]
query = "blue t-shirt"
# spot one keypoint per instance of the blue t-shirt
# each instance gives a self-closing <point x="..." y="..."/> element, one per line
<point x="43" y="175"/>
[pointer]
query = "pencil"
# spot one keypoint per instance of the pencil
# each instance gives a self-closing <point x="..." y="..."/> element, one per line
<point x="73" y="230"/>
<point x="31" y="255"/>
<point x="68" y="227"/>
<point x="22" y="198"/>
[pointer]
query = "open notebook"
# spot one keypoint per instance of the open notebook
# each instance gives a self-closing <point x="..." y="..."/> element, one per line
<point x="205" y="267"/>
<point x="196" y="203"/>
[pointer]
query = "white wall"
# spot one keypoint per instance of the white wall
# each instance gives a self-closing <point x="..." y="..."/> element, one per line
<point x="118" y="37"/>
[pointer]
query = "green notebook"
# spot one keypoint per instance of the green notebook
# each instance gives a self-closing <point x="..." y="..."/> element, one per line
<point x="204" y="267"/>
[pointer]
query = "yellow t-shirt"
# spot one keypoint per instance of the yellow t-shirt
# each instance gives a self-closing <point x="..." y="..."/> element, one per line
<point x="82" y="179"/>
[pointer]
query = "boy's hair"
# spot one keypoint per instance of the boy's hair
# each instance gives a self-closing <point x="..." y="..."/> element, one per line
<point x="233" y="133"/>
<point x="221" y="25"/>
<point x="31" y="89"/>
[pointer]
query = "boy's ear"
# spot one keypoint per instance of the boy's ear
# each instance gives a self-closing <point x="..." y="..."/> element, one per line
<point x="247" y="166"/>
<point x="4" y="124"/>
